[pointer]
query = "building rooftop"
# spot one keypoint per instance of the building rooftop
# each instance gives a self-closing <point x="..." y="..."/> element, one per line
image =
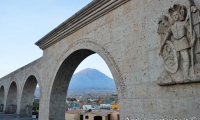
<point x="97" y="113"/>
<point x="116" y="111"/>
<point x="73" y="111"/>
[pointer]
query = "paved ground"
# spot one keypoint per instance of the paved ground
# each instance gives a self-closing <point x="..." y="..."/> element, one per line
<point x="13" y="117"/>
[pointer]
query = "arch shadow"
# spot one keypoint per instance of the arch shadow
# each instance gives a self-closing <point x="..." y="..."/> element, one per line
<point x="11" y="102"/>
<point x="27" y="97"/>
<point x="61" y="83"/>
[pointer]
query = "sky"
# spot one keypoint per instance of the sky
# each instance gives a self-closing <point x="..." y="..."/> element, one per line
<point x="23" y="22"/>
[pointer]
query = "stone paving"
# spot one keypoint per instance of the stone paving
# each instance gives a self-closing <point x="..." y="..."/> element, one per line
<point x="13" y="117"/>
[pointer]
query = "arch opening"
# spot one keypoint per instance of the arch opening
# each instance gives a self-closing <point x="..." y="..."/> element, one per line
<point x="27" y="103"/>
<point x="11" y="103"/>
<point x="61" y="82"/>
<point x="1" y="98"/>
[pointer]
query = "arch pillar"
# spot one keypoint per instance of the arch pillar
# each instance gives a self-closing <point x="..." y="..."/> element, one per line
<point x="2" y="98"/>
<point x="6" y="94"/>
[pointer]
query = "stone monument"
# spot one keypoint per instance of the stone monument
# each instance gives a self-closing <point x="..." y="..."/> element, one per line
<point x="180" y="43"/>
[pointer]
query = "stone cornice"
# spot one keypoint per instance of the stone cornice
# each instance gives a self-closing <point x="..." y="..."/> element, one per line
<point x="91" y="12"/>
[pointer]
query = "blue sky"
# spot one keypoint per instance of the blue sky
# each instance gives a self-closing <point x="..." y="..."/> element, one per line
<point x="23" y="22"/>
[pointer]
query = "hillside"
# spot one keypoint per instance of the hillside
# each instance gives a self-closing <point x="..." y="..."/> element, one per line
<point x="91" y="78"/>
<point x="90" y="81"/>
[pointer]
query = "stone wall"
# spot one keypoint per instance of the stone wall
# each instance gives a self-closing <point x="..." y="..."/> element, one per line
<point x="126" y="38"/>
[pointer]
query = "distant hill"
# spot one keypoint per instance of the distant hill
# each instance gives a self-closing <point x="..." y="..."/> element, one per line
<point x="90" y="81"/>
<point x="91" y="78"/>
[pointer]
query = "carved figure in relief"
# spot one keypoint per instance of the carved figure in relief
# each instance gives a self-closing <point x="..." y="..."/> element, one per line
<point x="179" y="42"/>
<point x="179" y="31"/>
<point x="163" y="25"/>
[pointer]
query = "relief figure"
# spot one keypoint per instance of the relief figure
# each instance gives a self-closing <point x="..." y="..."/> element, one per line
<point x="179" y="43"/>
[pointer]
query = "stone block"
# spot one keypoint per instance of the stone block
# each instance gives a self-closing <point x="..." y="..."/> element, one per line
<point x="137" y="105"/>
<point x="164" y="106"/>
<point x="141" y="90"/>
<point x="179" y="106"/>
<point x="150" y="105"/>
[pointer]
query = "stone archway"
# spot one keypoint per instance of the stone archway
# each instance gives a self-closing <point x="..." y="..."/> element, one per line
<point x="11" y="102"/>
<point x="64" y="74"/>
<point x="27" y="97"/>
<point x="61" y="82"/>
<point x="2" y="94"/>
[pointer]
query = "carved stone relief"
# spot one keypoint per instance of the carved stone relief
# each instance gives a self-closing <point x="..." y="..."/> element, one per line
<point x="180" y="44"/>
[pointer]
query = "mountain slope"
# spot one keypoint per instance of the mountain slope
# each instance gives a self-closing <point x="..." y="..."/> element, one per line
<point x="91" y="79"/>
